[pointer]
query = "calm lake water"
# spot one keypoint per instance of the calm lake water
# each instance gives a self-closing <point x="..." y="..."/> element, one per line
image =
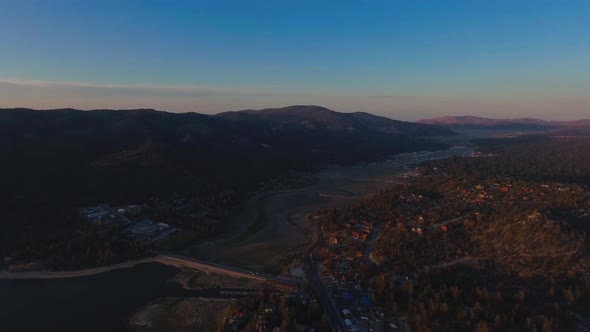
<point x="102" y="302"/>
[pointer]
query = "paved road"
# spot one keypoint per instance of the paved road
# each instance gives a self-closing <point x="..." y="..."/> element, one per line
<point x="164" y="258"/>
<point x="373" y="238"/>
<point x="438" y="226"/>
<point x="74" y="273"/>
<point x="183" y="261"/>
<point x="321" y="290"/>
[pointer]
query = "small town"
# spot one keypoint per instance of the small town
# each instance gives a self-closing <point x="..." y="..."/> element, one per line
<point x="356" y="264"/>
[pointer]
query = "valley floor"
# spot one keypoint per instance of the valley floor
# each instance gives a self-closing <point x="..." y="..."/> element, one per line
<point x="274" y="227"/>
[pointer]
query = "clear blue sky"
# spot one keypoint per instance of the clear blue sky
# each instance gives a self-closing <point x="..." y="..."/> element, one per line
<point x="405" y="59"/>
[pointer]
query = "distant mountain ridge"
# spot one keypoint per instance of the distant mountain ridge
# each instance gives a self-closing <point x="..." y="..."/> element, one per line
<point x="311" y="116"/>
<point x="490" y="123"/>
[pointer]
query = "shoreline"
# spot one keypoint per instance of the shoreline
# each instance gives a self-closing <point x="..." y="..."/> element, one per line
<point x="169" y="260"/>
<point x="45" y="274"/>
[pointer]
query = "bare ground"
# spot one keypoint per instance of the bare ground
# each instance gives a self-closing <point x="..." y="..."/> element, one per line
<point x="273" y="227"/>
<point x="194" y="279"/>
<point x="179" y="315"/>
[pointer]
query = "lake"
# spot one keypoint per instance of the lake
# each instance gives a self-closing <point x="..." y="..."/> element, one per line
<point x="102" y="302"/>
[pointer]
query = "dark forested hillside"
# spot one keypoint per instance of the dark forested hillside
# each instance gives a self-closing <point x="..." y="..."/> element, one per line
<point x="537" y="158"/>
<point x="56" y="161"/>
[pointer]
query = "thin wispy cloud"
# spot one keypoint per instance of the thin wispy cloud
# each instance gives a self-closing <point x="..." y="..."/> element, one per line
<point x="177" y="98"/>
<point x="188" y="90"/>
<point x="407" y="97"/>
